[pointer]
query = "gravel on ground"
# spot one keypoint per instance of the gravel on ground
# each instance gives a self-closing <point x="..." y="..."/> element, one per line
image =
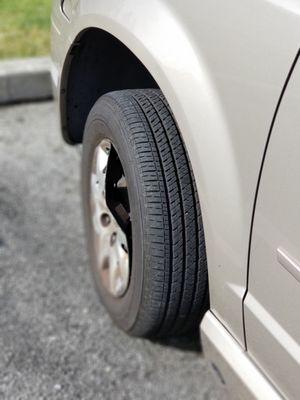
<point x="56" y="340"/>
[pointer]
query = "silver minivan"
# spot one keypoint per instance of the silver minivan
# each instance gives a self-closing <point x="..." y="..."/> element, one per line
<point x="189" y="115"/>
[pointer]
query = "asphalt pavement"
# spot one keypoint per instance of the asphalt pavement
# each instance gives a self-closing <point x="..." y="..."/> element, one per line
<point x="56" y="340"/>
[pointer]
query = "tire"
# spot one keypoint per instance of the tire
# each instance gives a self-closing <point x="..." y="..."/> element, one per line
<point x="168" y="288"/>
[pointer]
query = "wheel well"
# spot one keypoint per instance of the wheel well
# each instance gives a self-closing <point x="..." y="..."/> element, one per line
<point x="97" y="63"/>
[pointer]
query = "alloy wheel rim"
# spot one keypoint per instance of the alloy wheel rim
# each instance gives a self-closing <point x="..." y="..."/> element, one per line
<point x="110" y="214"/>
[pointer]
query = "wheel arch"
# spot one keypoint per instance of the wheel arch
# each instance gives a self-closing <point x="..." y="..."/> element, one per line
<point x="91" y="69"/>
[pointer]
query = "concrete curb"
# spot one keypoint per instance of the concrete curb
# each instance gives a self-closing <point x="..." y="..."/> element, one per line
<point x="26" y="79"/>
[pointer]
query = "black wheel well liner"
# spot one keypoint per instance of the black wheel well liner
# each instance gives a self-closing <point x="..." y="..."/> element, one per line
<point x="97" y="63"/>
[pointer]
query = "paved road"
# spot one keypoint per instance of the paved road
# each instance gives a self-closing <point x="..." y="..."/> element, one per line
<point x="56" y="340"/>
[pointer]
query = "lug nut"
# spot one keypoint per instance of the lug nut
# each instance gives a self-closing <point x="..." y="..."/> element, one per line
<point x="105" y="219"/>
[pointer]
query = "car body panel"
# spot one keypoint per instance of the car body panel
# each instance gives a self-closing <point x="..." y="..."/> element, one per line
<point x="233" y="365"/>
<point x="221" y="66"/>
<point x="272" y="304"/>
